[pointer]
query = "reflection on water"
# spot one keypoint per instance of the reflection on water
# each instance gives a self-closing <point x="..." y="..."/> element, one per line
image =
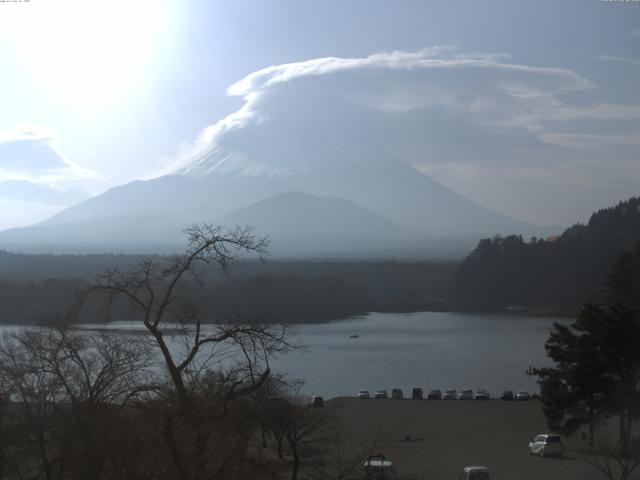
<point x="425" y="349"/>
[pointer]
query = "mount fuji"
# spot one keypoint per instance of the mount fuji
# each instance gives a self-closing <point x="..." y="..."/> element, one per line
<point x="311" y="175"/>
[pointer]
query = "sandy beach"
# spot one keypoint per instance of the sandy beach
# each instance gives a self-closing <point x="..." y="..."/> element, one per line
<point x="436" y="439"/>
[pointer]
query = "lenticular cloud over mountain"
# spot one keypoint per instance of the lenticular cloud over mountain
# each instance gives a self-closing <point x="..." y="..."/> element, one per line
<point x="343" y="139"/>
<point x="483" y="93"/>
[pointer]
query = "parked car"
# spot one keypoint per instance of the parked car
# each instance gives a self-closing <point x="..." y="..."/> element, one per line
<point x="450" y="394"/>
<point x="317" y="401"/>
<point x="546" y="444"/>
<point x="381" y="394"/>
<point x="466" y="394"/>
<point x="523" y="396"/>
<point x="434" y="395"/>
<point x="397" y="394"/>
<point x="475" y="473"/>
<point x="416" y="393"/>
<point x="507" y="395"/>
<point x="363" y="394"/>
<point x="377" y="467"/>
<point x="481" y="394"/>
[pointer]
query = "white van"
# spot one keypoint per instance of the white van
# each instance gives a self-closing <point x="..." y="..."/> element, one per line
<point x="475" y="473"/>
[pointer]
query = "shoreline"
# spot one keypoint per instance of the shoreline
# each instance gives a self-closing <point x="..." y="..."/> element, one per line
<point x="524" y="313"/>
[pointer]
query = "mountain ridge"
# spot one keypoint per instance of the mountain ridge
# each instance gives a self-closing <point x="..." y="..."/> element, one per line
<point x="326" y="154"/>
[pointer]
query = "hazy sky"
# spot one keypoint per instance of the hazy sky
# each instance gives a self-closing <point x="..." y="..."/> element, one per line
<point x="529" y="108"/>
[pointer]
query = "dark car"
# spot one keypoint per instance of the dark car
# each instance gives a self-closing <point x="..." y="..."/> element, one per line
<point x="434" y="395"/>
<point x="482" y="394"/>
<point x="507" y="395"/>
<point x="380" y="394"/>
<point x="416" y="393"/>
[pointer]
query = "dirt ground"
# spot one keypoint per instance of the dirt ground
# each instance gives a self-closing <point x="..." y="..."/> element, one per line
<point x="435" y="439"/>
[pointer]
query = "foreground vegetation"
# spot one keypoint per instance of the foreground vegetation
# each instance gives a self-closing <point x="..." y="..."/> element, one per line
<point x="199" y="405"/>
<point x="596" y="375"/>
<point x="193" y="400"/>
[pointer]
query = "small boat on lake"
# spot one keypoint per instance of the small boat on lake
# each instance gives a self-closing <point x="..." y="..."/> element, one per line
<point x="355" y="335"/>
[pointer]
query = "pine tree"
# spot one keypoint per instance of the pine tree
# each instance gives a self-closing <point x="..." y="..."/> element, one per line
<point x="573" y="393"/>
<point x="597" y="371"/>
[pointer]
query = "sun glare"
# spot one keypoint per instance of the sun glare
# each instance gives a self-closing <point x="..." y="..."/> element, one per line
<point x="87" y="51"/>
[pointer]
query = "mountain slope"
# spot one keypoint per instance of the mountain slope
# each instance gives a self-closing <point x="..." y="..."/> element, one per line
<point x="330" y="151"/>
<point x="297" y="223"/>
<point x="327" y="152"/>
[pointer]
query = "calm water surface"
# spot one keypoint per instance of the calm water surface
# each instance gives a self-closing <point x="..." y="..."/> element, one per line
<point x="425" y="349"/>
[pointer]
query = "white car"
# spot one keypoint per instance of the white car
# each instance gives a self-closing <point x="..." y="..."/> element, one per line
<point x="523" y="396"/>
<point x="466" y="394"/>
<point x="449" y="394"/>
<point x="546" y="444"/>
<point x="363" y="394"/>
<point x="475" y="473"/>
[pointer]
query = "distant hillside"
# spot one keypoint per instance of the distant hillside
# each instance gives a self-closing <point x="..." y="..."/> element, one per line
<point x="38" y="288"/>
<point x="298" y="223"/>
<point x="553" y="275"/>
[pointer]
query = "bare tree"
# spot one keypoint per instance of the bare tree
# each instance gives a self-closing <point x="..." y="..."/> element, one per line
<point x="613" y="461"/>
<point x="99" y="374"/>
<point x="290" y="417"/>
<point x="64" y="389"/>
<point x="33" y="391"/>
<point x="100" y="368"/>
<point x="305" y="427"/>
<point x="313" y="436"/>
<point x="209" y="366"/>
<point x="170" y="403"/>
<point x="5" y="432"/>
<point x="162" y="291"/>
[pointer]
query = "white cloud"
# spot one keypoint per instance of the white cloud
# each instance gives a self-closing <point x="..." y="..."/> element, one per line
<point x="438" y="58"/>
<point x="602" y="111"/>
<point x="488" y="88"/>
<point x="36" y="180"/>
<point x="29" y="153"/>
<point x="613" y="58"/>
<point x="585" y="141"/>
<point x="476" y="122"/>
<point x="469" y="98"/>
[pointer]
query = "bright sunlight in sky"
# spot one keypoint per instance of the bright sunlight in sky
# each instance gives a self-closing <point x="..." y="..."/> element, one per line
<point x="88" y="53"/>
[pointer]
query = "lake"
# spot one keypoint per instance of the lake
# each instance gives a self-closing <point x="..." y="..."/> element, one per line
<point x="425" y="349"/>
